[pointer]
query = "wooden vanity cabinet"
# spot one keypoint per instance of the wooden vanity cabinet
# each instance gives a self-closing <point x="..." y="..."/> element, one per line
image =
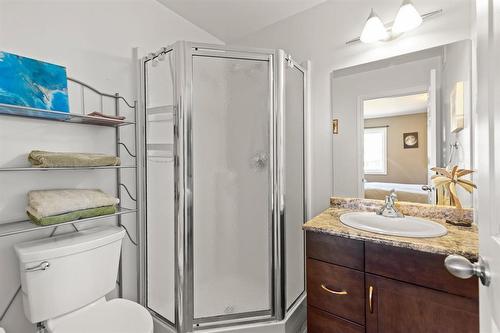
<point x="360" y="286"/>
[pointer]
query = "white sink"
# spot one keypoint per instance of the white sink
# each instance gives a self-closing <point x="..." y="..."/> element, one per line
<point x="405" y="227"/>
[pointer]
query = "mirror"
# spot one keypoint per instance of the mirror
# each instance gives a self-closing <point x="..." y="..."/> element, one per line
<point x="399" y="119"/>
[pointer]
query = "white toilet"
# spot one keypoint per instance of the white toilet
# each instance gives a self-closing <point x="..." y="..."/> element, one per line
<point x="65" y="278"/>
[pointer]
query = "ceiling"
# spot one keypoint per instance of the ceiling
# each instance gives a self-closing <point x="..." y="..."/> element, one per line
<point x="230" y="20"/>
<point x="395" y="106"/>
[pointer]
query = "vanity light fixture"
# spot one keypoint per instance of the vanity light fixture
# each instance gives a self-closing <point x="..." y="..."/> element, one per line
<point x="407" y="19"/>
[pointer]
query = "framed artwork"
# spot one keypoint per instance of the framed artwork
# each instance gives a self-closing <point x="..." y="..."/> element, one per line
<point x="410" y="140"/>
<point x="457" y="102"/>
<point x="32" y="83"/>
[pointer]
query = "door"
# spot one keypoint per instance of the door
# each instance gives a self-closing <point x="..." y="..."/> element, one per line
<point x="395" y="307"/>
<point x="488" y="153"/>
<point x="232" y="186"/>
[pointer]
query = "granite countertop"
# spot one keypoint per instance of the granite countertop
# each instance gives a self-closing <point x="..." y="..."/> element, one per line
<point x="459" y="240"/>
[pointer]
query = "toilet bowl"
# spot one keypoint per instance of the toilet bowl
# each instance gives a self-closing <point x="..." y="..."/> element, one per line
<point x="65" y="279"/>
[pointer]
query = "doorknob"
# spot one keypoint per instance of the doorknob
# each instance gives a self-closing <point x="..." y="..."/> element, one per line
<point x="427" y="188"/>
<point x="462" y="268"/>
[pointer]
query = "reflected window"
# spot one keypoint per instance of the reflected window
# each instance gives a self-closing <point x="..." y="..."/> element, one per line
<point x="375" y="151"/>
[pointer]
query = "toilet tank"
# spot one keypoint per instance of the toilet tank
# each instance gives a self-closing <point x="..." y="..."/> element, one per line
<point x="82" y="267"/>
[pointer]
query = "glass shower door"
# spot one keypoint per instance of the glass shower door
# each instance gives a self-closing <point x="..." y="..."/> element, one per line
<point x="294" y="137"/>
<point x="232" y="177"/>
<point x="160" y="181"/>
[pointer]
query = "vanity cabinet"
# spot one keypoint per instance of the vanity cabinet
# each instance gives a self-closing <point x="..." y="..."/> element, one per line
<point x="361" y="286"/>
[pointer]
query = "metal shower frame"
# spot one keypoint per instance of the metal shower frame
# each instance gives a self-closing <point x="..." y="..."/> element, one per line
<point x="182" y="54"/>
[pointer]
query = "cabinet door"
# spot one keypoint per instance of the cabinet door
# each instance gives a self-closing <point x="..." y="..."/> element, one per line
<point x="395" y="307"/>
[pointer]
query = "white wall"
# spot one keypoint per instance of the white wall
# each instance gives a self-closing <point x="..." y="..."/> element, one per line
<point x="457" y="67"/>
<point x="319" y="34"/>
<point x="346" y="92"/>
<point x="94" y="40"/>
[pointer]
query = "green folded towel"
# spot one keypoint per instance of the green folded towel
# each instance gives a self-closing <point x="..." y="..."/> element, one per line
<point x="45" y="203"/>
<point x="73" y="216"/>
<point x="47" y="159"/>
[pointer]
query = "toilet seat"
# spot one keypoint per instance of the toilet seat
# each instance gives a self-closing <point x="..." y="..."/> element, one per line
<point x="114" y="316"/>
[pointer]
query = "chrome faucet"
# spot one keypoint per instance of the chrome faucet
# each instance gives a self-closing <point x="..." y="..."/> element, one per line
<point x="389" y="207"/>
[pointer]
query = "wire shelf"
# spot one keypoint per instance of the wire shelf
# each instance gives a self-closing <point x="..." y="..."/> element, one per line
<point x="28" y="112"/>
<point x="19" y="227"/>
<point x="15" y="169"/>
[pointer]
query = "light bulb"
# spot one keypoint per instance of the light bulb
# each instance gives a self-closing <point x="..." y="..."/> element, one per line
<point x="407" y="19"/>
<point x="374" y="29"/>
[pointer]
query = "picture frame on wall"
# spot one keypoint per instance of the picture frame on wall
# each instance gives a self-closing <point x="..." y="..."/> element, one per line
<point x="410" y="140"/>
<point x="34" y="85"/>
<point x="335" y="126"/>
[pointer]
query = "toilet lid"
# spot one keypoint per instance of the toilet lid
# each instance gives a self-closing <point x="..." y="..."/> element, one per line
<point x="115" y="316"/>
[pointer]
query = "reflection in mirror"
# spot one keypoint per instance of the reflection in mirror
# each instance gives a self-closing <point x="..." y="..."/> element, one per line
<point x="407" y="122"/>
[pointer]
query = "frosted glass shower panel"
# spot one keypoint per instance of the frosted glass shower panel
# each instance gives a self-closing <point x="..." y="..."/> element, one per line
<point x="231" y="186"/>
<point x="159" y="115"/>
<point x="294" y="184"/>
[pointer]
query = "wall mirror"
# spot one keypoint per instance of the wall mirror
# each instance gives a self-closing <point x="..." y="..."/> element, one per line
<point x="400" y="118"/>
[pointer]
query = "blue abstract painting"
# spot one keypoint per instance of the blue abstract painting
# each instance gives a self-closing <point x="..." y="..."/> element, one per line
<point x="32" y="83"/>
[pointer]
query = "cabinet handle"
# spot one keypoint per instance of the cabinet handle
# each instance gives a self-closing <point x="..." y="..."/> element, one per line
<point x="343" y="292"/>
<point x="370" y="299"/>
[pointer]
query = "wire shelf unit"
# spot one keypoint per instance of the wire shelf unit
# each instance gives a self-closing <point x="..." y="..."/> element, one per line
<point x="27" y="112"/>
<point x="9" y="228"/>
<point x="15" y="169"/>
<point x="17" y="227"/>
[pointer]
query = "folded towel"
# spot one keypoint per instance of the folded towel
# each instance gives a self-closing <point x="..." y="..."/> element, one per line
<point x="44" y="203"/>
<point x="47" y="159"/>
<point x="73" y="216"/>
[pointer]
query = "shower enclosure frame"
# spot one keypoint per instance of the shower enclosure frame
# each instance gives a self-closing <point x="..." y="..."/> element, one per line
<point x="182" y="54"/>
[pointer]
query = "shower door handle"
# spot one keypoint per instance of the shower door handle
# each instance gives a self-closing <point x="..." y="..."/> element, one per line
<point x="260" y="160"/>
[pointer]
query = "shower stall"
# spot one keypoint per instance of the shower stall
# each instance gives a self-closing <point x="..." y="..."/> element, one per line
<point x="224" y="194"/>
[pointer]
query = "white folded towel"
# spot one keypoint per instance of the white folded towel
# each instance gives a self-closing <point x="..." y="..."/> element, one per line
<point x="43" y="203"/>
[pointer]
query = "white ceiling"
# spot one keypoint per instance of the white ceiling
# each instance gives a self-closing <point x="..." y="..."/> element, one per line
<point x="395" y="106"/>
<point x="230" y="20"/>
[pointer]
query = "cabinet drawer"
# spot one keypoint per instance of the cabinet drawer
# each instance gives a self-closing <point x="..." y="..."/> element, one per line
<point x="336" y="289"/>
<point x="319" y="321"/>
<point x="335" y="250"/>
<point x="420" y="268"/>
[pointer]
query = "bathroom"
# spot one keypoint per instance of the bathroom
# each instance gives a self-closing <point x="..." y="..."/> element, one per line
<point x="259" y="142"/>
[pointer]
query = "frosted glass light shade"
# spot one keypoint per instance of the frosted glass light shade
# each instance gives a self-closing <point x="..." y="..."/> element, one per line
<point x="374" y="29"/>
<point x="407" y="18"/>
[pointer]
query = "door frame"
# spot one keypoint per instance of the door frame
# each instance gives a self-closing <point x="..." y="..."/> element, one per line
<point x="487" y="141"/>
<point x="360" y="126"/>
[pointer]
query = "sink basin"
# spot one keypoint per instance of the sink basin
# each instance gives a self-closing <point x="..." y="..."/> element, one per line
<point x="405" y="227"/>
